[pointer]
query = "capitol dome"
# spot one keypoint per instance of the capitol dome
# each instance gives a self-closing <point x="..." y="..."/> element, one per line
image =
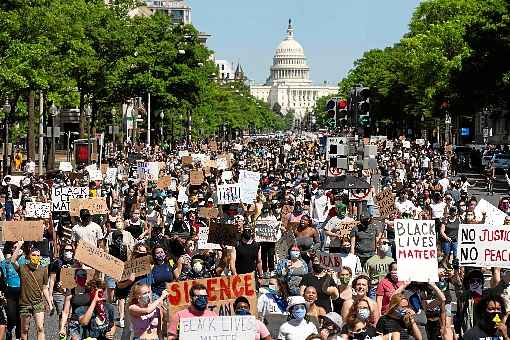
<point x="289" y="62"/>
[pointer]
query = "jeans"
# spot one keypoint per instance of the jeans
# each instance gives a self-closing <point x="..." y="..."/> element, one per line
<point x="13" y="319"/>
<point x="9" y="210"/>
<point x="450" y="248"/>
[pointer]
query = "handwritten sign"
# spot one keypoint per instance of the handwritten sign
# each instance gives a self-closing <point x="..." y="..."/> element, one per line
<point x="493" y="216"/>
<point x="111" y="175"/>
<point x="37" y="210"/>
<point x="65" y="166"/>
<point x="208" y="213"/>
<point x="137" y="266"/>
<point x="416" y="248"/>
<point x="222" y="234"/>
<point x="203" y="236"/>
<point x="222" y="292"/>
<point x="249" y="183"/>
<point x="164" y="182"/>
<point x="187" y="160"/>
<point x="386" y="202"/>
<point x="196" y="177"/>
<point x="22" y="230"/>
<point x="218" y="327"/>
<point x="267" y="231"/>
<point x="228" y="193"/>
<point x="96" y="206"/>
<point x="99" y="260"/>
<point x="331" y="261"/>
<point x="60" y="196"/>
<point x="336" y="225"/>
<point x="483" y="245"/>
<point x="67" y="276"/>
<point x="148" y="171"/>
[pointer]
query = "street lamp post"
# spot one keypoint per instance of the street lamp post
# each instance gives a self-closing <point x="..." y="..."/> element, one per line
<point x="53" y="112"/>
<point x="161" y="116"/>
<point x="88" y="111"/>
<point x="7" y="111"/>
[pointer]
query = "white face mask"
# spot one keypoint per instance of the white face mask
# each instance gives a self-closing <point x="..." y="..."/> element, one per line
<point x="197" y="267"/>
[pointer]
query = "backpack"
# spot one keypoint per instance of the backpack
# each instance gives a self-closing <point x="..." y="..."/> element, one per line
<point x="117" y="247"/>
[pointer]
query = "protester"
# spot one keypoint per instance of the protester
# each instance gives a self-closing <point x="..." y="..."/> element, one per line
<point x="144" y="313"/>
<point x="242" y="307"/>
<point x="298" y="326"/>
<point x="399" y="318"/>
<point x="292" y="270"/>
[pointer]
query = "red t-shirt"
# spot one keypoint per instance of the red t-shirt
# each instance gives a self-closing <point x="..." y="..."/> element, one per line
<point x="185" y="314"/>
<point x="386" y="288"/>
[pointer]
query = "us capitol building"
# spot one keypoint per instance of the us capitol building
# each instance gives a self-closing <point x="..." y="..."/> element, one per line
<point x="289" y="83"/>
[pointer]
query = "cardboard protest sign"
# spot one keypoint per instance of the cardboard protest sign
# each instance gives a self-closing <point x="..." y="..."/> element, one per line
<point x="228" y="193"/>
<point x="65" y="166"/>
<point x="60" y="196"/>
<point x="218" y="327"/>
<point x="249" y="183"/>
<point x="164" y="182"/>
<point x="406" y="144"/>
<point x="336" y="225"/>
<point x="203" y="236"/>
<point x="208" y="213"/>
<point x="416" y="248"/>
<point x="67" y="277"/>
<point x="96" y="206"/>
<point x="222" y="234"/>
<point x="283" y="245"/>
<point x="148" y="171"/>
<point x="386" y="202"/>
<point x="138" y="266"/>
<point x="331" y="261"/>
<point x="420" y="141"/>
<point x="267" y="231"/>
<point x="98" y="259"/>
<point x="196" y="177"/>
<point x="22" y="230"/>
<point x="187" y="160"/>
<point x="183" y="153"/>
<point x="493" y="216"/>
<point x="483" y="245"/>
<point x="222" y="292"/>
<point x="37" y="210"/>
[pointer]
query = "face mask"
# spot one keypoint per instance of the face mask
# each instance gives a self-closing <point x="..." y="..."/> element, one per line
<point x="200" y="302"/>
<point x="35" y="260"/>
<point x="364" y="313"/>
<point x="246" y="235"/>
<point x="294" y="254"/>
<point x="160" y="257"/>
<point x="145" y="299"/>
<point x="299" y="313"/>
<point x="242" y="311"/>
<point x="317" y="268"/>
<point x="442" y="284"/>
<point x="197" y="267"/>
<point x="81" y="281"/>
<point x="401" y="312"/>
<point x="475" y="287"/>
<point x="385" y="248"/>
<point x="345" y="280"/>
<point x="68" y="255"/>
<point x="359" y="335"/>
<point x="273" y="288"/>
<point x="492" y="319"/>
<point x="394" y="275"/>
<point x="115" y="210"/>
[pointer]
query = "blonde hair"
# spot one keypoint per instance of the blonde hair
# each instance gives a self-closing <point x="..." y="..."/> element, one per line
<point x="395" y="302"/>
<point x="135" y="292"/>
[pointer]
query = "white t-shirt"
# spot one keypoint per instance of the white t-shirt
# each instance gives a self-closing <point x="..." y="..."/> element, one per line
<point x="445" y="183"/>
<point x="405" y="207"/>
<point x="296" y="330"/>
<point x="91" y="233"/>
<point x="425" y="162"/>
<point x="352" y="261"/>
<point x="267" y="305"/>
<point x="437" y="209"/>
<point x="320" y="208"/>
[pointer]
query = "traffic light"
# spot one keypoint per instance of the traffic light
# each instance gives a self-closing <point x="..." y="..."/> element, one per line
<point x="331" y="107"/>
<point x="363" y="105"/>
<point x="341" y="113"/>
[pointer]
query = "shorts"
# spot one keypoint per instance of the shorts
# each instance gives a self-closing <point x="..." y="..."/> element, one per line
<point x="110" y="282"/>
<point x="74" y="329"/>
<point x="31" y="310"/>
<point x="58" y="301"/>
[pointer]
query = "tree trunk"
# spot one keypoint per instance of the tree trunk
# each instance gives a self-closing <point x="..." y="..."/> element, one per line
<point x="31" y="125"/>
<point x="82" y="116"/>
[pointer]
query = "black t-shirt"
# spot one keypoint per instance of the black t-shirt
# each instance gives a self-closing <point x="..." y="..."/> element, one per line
<point x="387" y="325"/>
<point x="246" y="257"/>
<point x="477" y="333"/>
<point x="323" y="300"/>
<point x="365" y="240"/>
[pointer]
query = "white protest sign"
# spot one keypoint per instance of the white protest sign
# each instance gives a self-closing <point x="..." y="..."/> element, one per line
<point x="111" y="175"/>
<point x="493" y="216"/>
<point x="37" y="210"/>
<point x="183" y="153"/>
<point x="226" y="175"/>
<point x="406" y="144"/>
<point x="228" y="193"/>
<point x="65" y="166"/>
<point x="416" y="249"/>
<point x="181" y="196"/>
<point x="331" y="261"/>
<point x="267" y="231"/>
<point x="482" y="245"/>
<point x="60" y="196"/>
<point x="221" y="163"/>
<point x="218" y="327"/>
<point x="148" y="170"/>
<point x="203" y="235"/>
<point x="96" y="175"/>
<point x="249" y="183"/>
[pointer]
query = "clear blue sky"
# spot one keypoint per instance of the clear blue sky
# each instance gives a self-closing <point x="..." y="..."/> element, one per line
<point x="333" y="33"/>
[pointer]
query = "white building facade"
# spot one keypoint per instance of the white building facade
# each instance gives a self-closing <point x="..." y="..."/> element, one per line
<point x="226" y="70"/>
<point x="289" y="83"/>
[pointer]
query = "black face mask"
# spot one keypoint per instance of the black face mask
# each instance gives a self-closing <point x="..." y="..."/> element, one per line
<point x="345" y="249"/>
<point x="488" y="323"/>
<point x="85" y="220"/>
<point x="246" y="235"/>
<point x="359" y="336"/>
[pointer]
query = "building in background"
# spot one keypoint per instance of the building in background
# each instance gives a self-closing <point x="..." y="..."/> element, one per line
<point x="227" y="72"/>
<point x="289" y="84"/>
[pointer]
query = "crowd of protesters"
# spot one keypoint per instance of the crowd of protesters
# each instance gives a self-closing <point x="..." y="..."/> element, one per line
<point x="364" y="300"/>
